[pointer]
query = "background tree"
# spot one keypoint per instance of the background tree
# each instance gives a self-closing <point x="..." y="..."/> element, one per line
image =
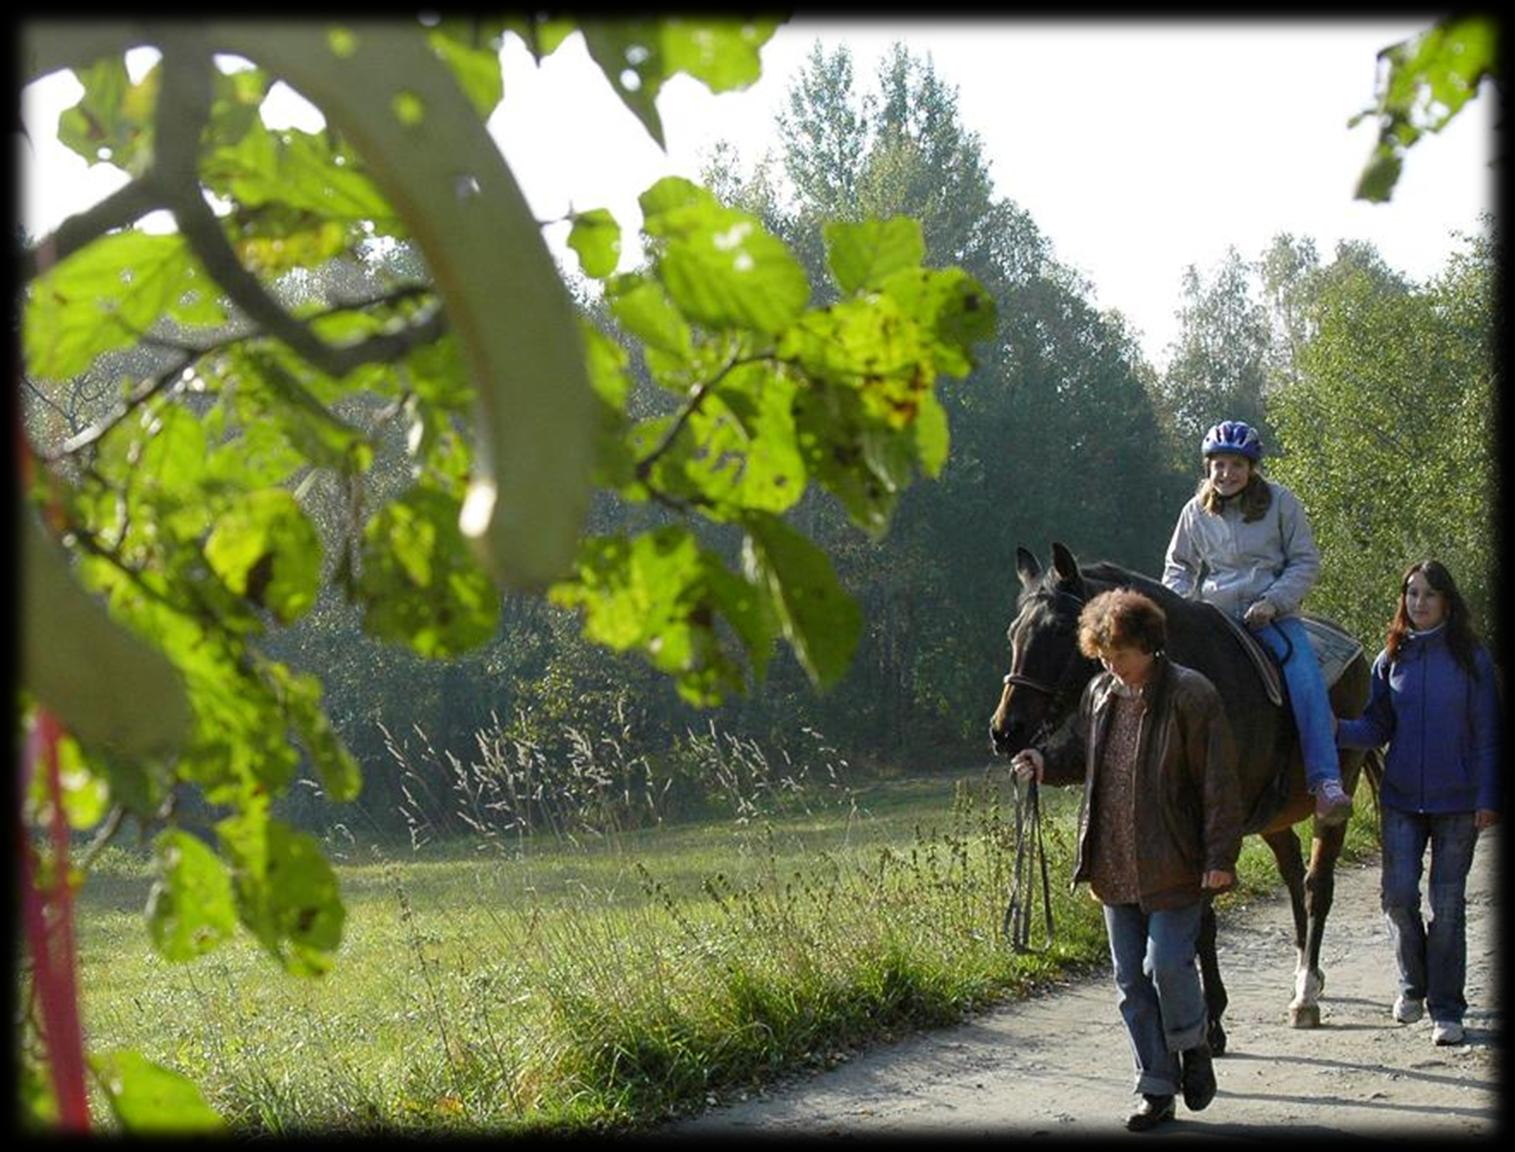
<point x="1388" y="433"/>
<point x="1219" y="366"/>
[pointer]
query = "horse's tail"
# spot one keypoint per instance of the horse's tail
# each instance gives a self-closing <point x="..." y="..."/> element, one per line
<point x="1373" y="768"/>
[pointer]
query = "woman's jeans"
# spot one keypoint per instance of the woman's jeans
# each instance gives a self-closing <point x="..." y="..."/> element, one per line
<point x="1432" y="955"/>
<point x="1286" y="637"/>
<point x="1159" y="994"/>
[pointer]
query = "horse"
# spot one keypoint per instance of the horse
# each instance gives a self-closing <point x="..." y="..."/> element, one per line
<point x="1048" y="674"/>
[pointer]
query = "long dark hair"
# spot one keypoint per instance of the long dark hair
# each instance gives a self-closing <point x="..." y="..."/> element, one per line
<point x="1460" y="637"/>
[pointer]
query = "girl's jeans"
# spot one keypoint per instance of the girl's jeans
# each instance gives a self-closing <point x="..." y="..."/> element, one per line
<point x="1286" y="637"/>
<point x="1158" y="989"/>
<point x="1432" y="955"/>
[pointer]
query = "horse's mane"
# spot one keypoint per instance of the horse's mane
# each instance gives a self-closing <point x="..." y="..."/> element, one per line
<point x="1105" y="572"/>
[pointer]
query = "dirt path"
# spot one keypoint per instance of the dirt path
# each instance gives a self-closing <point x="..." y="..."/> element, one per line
<point x="1059" y="1064"/>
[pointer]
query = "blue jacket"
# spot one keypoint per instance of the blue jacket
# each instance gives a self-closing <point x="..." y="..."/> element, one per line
<point x="1442" y="729"/>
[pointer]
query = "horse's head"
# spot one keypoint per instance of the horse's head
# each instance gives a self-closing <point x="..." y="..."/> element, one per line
<point x="1047" y="670"/>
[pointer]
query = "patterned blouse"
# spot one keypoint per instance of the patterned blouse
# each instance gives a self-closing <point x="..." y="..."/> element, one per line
<point x="1112" y="876"/>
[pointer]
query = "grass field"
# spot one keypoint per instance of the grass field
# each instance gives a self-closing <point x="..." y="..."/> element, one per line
<point x="607" y="986"/>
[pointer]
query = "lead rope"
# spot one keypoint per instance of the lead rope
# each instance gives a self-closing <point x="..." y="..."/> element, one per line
<point x="1029" y="852"/>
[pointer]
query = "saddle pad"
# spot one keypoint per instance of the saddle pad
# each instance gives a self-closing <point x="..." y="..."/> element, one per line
<point x="1334" y="649"/>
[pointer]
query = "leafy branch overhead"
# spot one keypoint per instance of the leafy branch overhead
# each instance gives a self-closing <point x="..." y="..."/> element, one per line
<point x="419" y="447"/>
<point x="1425" y="82"/>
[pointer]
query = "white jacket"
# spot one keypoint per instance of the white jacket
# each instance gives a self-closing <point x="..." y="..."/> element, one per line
<point x="1224" y="561"/>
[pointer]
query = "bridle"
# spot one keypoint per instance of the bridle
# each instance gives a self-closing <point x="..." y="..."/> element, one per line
<point x="1055" y="693"/>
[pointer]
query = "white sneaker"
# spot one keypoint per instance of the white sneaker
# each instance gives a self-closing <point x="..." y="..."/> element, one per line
<point x="1446" y="1032"/>
<point x="1407" y="1011"/>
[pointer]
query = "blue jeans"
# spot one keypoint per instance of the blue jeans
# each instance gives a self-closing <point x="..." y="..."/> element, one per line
<point x="1159" y="994"/>
<point x="1432" y="955"/>
<point x="1307" y="697"/>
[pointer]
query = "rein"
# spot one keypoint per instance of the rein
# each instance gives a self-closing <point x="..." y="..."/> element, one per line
<point x="1031" y="852"/>
<point x="1017" y="920"/>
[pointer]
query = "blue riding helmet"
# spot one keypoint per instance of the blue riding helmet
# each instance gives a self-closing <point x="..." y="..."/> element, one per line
<point x="1233" y="436"/>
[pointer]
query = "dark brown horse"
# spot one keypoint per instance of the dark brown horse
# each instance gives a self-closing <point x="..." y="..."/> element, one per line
<point x="1043" y="689"/>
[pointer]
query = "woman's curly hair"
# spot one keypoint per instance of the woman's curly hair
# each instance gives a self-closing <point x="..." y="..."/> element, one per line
<point x="1121" y="618"/>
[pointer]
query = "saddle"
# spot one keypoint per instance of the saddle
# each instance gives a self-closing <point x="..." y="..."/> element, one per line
<point x="1333" y="648"/>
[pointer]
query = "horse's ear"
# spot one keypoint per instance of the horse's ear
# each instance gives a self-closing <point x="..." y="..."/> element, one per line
<point x="1027" y="567"/>
<point x="1063" y="563"/>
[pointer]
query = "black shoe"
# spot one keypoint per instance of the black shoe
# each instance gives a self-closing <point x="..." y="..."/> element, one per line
<point x="1199" y="1078"/>
<point x="1151" y="1112"/>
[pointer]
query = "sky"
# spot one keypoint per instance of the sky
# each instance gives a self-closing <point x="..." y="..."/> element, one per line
<point x="1139" y="148"/>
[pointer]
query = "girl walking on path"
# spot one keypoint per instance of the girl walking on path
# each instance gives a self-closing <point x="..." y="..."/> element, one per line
<point x="1435" y="703"/>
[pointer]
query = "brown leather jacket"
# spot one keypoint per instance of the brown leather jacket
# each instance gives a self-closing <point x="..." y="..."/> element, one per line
<point x="1188" y="812"/>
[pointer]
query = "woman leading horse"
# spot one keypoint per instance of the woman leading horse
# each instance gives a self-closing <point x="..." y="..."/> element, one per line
<point x="1048" y="674"/>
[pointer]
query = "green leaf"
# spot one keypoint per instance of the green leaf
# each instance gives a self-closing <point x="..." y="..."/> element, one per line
<point x="264" y="547"/>
<point x="633" y="591"/>
<point x="476" y="66"/>
<point x="637" y="56"/>
<point x="932" y="435"/>
<point x="542" y="34"/>
<point x="273" y="392"/>
<point x="607" y="366"/>
<point x="852" y="454"/>
<point x="737" y="452"/>
<point x="296" y="169"/>
<point x="819" y="619"/>
<point x="1376" y="184"/>
<point x="85" y="793"/>
<point x="659" y="593"/>
<point x="861" y="255"/>
<point x="747" y="608"/>
<point x="103" y="297"/>
<point x="630" y="54"/>
<point x="667" y="197"/>
<point x="643" y="308"/>
<point x="113" y="121"/>
<point x="148" y="1098"/>
<point x="339" y="773"/>
<point x="190" y="910"/>
<point x="952" y="309"/>
<point x="722" y="54"/>
<point x="287" y="893"/>
<point x="236" y="105"/>
<point x="421" y="584"/>
<point x="109" y="688"/>
<point x="870" y="346"/>
<point x="596" y="237"/>
<point x="720" y="266"/>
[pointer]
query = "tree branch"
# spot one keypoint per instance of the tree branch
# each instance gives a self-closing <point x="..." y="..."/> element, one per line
<point x="645" y="464"/>
<point x="122" y="207"/>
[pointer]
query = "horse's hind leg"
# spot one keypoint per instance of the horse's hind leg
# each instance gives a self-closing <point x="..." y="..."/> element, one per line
<point x="1209" y="973"/>
<point x="1304" y="1011"/>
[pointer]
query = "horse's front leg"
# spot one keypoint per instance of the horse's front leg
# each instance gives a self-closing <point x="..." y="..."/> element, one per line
<point x="1320" y="893"/>
<point x="1209" y="974"/>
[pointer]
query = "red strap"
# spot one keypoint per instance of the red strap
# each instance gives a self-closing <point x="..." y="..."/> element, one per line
<point x="49" y="924"/>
